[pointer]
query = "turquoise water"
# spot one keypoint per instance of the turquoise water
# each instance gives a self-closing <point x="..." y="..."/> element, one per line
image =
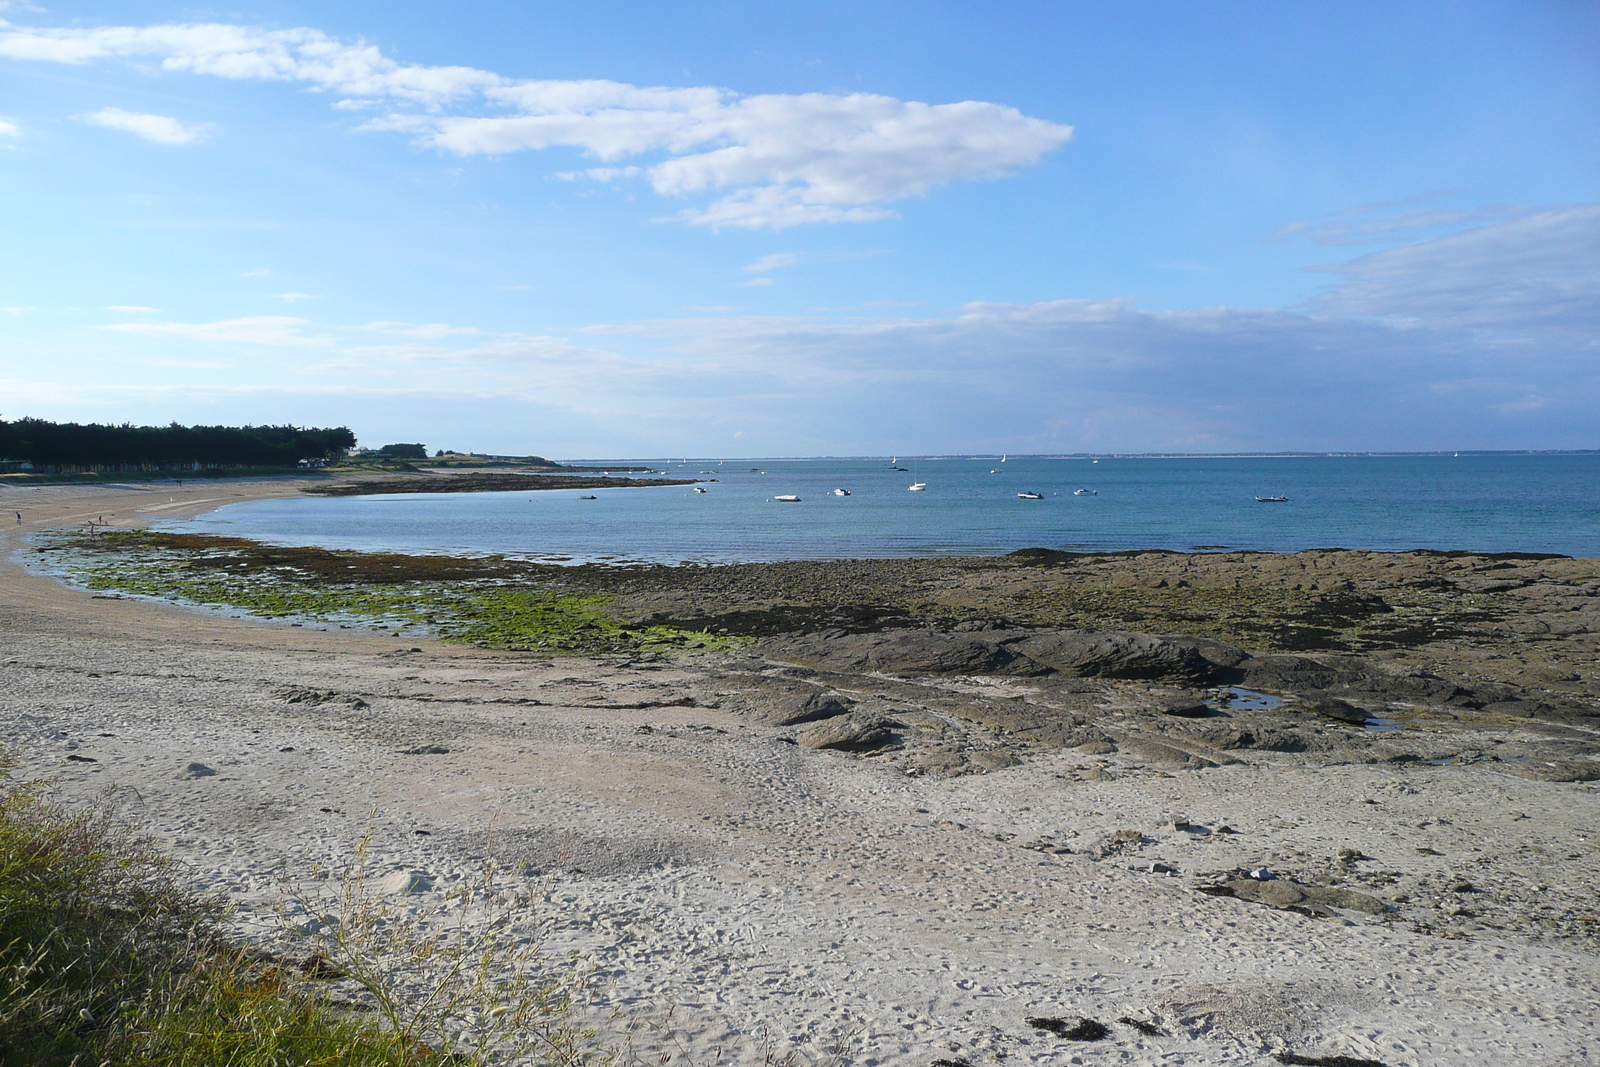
<point x="1486" y="503"/>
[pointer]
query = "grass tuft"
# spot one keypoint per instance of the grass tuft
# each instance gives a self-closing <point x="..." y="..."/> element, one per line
<point x="106" y="960"/>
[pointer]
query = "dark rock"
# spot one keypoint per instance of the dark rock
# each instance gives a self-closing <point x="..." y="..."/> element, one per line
<point x="1189" y="709"/>
<point x="75" y="758"/>
<point x="901" y="652"/>
<point x="295" y="694"/>
<point x="1115" y="654"/>
<point x="425" y="750"/>
<point x="1329" y="708"/>
<point x="1296" y="1060"/>
<point x="846" y="733"/>
<point x="196" y="770"/>
<point x="793" y="703"/>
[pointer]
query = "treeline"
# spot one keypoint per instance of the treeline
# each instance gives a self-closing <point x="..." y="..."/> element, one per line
<point x="70" y="445"/>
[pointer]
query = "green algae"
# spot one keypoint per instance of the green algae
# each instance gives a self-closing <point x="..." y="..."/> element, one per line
<point x="490" y="602"/>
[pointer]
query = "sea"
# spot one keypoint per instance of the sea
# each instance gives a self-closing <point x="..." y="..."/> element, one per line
<point x="1479" y="502"/>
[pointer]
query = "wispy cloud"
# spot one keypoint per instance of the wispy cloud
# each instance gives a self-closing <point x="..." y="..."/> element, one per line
<point x="1391" y="220"/>
<point x="773" y="262"/>
<point x="1482" y="338"/>
<point x="9" y="129"/>
<point x="292" y="298"/>
<point x="157" y="128"/>
<point x="770" y="161"/>
<point x="599" y="174"/>
<point x="255" y="330"/>
<point x="757" y="283"/>
<point x="424" y="331"/>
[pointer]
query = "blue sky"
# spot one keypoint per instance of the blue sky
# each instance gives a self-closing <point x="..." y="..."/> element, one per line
<point x="797" y="229"/>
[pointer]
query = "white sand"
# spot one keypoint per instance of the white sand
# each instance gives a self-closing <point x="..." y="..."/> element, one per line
<point x="752" y="887"/>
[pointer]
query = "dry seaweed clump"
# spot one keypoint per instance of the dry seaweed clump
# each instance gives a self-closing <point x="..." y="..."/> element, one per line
<point x="488" y="601"/>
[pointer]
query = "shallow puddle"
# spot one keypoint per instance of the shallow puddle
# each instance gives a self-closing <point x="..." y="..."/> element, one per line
<point x="1246" y="700"/>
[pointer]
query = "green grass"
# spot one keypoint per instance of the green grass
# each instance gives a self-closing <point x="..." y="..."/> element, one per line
<point x="490" y="602"/>
<point x="106" y="960"/>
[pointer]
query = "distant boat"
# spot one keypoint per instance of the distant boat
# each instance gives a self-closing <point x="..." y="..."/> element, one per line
<point x="787" y="498"/>
<point x="917" y="487"/>
<point x="588" y="498"/>
<point x="994" y="470"/>
<point x="1086" y="492"/>
<point x="1272" y="500"/>
<point x="841" y="492"/>
<point x="1002" y="457"/>
<point x="1031" y="496"/>
<point x="894" y="461"/>
<point x="699" y="489"/>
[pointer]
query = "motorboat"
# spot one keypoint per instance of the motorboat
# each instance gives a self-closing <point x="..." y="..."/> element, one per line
<point x="841" y="492"/>
<point x="1086" y="492"/>
<point x="699" y="489"/>
<point x="588" y="498"/>
<point x="1272" y="500"/>
<point x="1031" y="496"/>
<point x="917" y="487"/>
<point x="994" y="470"/>
<point x="787" y="498"/>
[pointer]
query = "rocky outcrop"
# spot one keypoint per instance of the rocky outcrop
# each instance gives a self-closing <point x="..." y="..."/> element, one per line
<point x="781" y="702"/>
<point x="1082" y="653"/>
<point x="848" y="733"/>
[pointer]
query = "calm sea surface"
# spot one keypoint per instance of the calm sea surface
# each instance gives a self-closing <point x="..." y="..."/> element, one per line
<point x="1499" y="503"/>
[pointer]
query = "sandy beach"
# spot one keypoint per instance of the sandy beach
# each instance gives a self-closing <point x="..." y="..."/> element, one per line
<point x="897" y="843"/>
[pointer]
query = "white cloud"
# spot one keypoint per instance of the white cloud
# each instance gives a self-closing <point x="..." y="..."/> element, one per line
<point x="770" y="161"/>
<point x="157" y="128"/>
<point x="1541" y="270"/>
<point x="255" y="330"/>
<point x="773" y="262"/>
<point x="131" y="309"/>
<point x="424" y="331"/>
<point x="9" y="129"/>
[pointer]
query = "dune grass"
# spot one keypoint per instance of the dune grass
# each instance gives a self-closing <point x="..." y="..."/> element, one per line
<point x="107" y="960"/>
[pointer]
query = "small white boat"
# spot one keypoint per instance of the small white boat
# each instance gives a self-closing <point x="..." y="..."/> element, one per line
<point x="699" y="489"/>
<point x="1086" y="492"/>
<point x="917" y="487"/>
<point x="1002" y="457"/>
<point x="894" y="461"/>
<point x="994" y="470"/>
<point x="1031" y="496"/>
<point x="1272" y="500"/>
<point x="787" y="498"/>
<point x="841" y="492"/>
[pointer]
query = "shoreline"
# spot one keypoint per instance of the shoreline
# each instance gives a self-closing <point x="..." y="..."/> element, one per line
<point x="911" y="813"/>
